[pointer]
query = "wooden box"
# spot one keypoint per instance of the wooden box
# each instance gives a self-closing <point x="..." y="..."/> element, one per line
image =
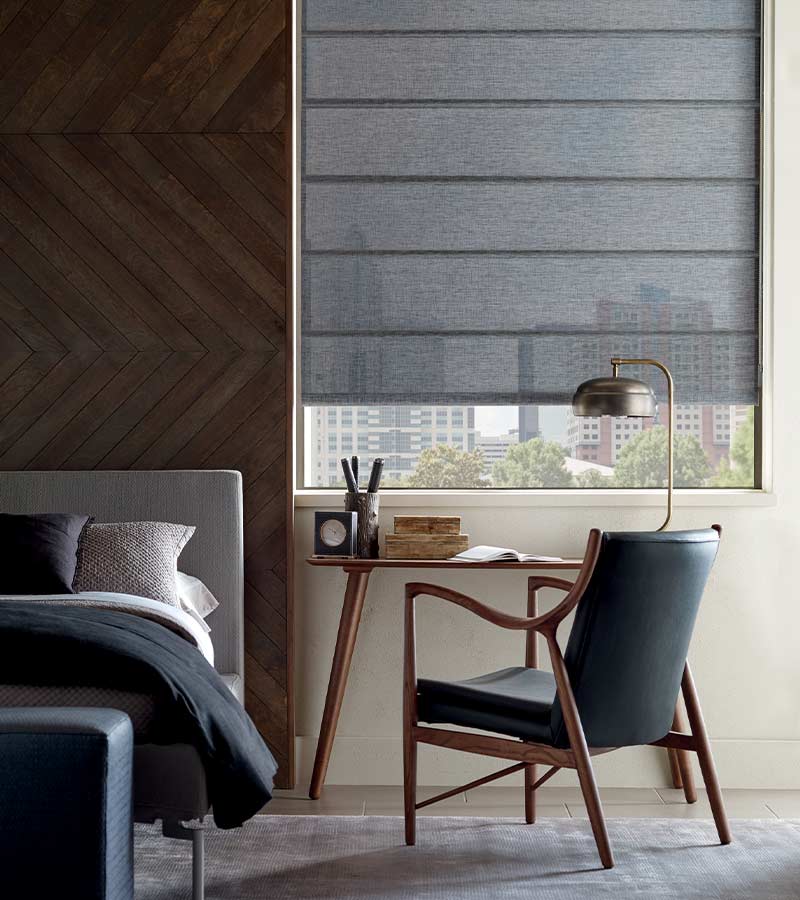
<point x="425" y="546"/>
<point x="427" y="524"/>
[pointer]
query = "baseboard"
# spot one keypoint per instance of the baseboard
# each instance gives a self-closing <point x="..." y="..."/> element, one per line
<point x="740" y="764"/>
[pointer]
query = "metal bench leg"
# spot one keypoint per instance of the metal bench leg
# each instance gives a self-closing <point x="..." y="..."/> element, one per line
<point x="198" y="864"/>
<point x="197" y="836"/>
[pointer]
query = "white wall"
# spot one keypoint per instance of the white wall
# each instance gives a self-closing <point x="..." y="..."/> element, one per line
<point x="746" y="649"/>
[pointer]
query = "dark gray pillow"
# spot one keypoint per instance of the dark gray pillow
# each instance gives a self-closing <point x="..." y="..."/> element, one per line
<point x="38" y="553"/>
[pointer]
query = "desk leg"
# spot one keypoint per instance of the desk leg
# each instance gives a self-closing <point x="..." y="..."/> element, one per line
<point x="354" y="595"/>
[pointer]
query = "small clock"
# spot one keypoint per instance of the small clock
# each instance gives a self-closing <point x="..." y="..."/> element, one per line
<point x="335" y="533"/>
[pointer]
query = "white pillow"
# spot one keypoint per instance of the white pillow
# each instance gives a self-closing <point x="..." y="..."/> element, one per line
<point x="194" y="597"/>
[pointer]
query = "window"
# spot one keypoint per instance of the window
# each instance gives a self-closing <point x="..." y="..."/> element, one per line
<point x="446" y="285"/>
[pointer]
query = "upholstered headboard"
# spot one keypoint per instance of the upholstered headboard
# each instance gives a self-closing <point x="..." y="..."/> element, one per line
<point x="212" y="501"/>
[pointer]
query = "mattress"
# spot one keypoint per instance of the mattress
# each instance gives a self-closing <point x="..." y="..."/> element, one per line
<point x="139" y="707"/>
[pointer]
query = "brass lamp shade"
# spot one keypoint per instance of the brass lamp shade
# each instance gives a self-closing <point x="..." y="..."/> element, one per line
<point x="615" y="396"/>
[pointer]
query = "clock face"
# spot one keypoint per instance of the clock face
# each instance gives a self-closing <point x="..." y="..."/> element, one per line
<point x="333" y="533"/>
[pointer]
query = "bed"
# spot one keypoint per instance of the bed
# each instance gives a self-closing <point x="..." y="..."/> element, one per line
<point x="169" y="781"/>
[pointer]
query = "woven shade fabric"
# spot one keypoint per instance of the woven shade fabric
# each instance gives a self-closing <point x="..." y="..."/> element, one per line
<point x="498" y="197"/>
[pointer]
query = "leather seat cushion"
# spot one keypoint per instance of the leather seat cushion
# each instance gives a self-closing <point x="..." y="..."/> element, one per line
<point x="515" y="701"/>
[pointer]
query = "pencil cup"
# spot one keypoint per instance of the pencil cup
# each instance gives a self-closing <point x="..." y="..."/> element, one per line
<point x="366" y="505"/>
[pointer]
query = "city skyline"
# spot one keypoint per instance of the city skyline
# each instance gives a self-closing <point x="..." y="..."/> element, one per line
<point x="400" y="434"/>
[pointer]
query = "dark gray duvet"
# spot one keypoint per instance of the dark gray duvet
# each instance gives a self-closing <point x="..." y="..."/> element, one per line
<point x="47" y="644"/>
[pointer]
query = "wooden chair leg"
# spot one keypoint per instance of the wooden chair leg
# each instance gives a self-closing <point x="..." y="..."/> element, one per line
<point x="683" y="759"/>
<point x="704" y="756"/>
<point x="674" y="768"/>
<point x="410" y="785"/>
<point x="530" y="796"/>
<point x="591" y="798"/>
<point x="583" y="762"/>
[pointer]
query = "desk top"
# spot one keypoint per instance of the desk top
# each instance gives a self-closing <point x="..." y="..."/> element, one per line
<point x="367" y="565"/>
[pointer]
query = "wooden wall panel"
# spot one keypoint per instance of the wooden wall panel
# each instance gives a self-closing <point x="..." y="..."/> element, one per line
<point x="143" y="261"/>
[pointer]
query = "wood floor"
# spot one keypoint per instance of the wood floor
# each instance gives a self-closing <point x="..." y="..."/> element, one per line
<point x="561" y="802"/>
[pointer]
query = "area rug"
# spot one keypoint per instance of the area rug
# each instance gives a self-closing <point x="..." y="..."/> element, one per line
<point x="355" y="858"/>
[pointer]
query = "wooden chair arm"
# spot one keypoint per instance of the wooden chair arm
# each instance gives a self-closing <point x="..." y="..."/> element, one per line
<point x="535" y="582"/>
<point x="546" y="623"/>
<point x="503" y="620"/>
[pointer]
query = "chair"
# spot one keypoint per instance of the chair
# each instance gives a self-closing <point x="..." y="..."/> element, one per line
<point x="616" y="685"/>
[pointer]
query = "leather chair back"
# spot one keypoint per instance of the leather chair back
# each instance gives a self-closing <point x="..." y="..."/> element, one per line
<point x="628" y="644"/>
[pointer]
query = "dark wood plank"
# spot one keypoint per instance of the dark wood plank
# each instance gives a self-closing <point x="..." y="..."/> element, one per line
<point x="62" y="66"/>
<point x="140" y="402"/>
<point x="83" y="246"/>
<point x="55" y="300"/>
<point x="161" y="73"/>
<point x="257" y="442"/>
<point x="217" y="218"/>
<point x="182" y="289"/>
<point x="19" y="330"/>
<point x="259" y="103"/>
<point x="89" y="194"/>
<point x="96" y="66"/>
<point x="22" y="29"/>
<point x="226" y="298"/>
<point x="202" y="65"/>
<point x="235" y="412"/>
<point x="128" y="452"/>
<point x="269" y="24"/>
<point x="79" y="391"/>
<point x="38" y="53"/>
<point x="236" y="185"/>
<point x="131" y="65"/>
<point x="92" y="416"/>
<point x="270" y="149"/>
<point x="254" y="168"/>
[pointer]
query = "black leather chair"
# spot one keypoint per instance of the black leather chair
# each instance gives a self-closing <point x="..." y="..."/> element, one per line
<point x="616" y="685"/>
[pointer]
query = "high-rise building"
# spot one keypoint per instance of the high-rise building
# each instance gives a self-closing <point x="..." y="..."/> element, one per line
<point x="528" y="423"/>
<point x="399" y="434"/>
<point x="495" y="446"/>
<point x="601" y="440"/>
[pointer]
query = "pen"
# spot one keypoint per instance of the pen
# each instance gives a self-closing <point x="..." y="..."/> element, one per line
<point x="375" y="476"/>
<point x="348" y="476"/>
<point x="354" y="463"/>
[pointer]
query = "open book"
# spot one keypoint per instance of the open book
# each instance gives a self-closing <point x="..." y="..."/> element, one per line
<point x="482" y="553"/>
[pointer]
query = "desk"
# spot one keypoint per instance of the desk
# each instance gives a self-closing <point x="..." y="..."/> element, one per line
<point x="358" y="572"/>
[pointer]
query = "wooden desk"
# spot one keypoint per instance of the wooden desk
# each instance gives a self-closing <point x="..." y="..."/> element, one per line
<point x="358" y="572"/>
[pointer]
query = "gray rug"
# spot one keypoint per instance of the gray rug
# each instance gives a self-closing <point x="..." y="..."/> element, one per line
<point x="349" y="858"/>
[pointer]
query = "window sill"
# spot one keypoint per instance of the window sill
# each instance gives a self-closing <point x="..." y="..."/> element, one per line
<point x="390" y="499"/>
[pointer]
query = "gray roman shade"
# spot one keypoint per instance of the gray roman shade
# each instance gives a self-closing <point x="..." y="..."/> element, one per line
<point x="499" y="196"/>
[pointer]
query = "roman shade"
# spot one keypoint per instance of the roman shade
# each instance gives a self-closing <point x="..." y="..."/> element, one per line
<point x="498" y="197"/>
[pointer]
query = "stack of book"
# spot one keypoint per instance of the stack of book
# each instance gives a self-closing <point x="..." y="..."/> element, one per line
<point x="426" y="537"/>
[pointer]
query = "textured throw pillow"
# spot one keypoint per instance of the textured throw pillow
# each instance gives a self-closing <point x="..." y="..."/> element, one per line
<point x="38" y="553"/>
<point x="138" y="558"/>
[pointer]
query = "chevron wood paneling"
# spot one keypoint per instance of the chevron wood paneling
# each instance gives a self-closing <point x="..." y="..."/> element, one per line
<point x="143" y="285"/>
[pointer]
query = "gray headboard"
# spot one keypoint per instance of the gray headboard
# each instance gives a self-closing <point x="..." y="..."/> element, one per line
<point x="212" y="501"/>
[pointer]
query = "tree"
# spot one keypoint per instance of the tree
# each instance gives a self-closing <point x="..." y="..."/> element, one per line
<point x="592" y="478"/>
<point x="533" y="464"/>
<point x="643" y="462"/>
<point x="738" y="471"/>
<point x="446" y="467"/>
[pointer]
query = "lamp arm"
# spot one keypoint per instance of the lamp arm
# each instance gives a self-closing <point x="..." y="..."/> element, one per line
<point x="616" y="362"/>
